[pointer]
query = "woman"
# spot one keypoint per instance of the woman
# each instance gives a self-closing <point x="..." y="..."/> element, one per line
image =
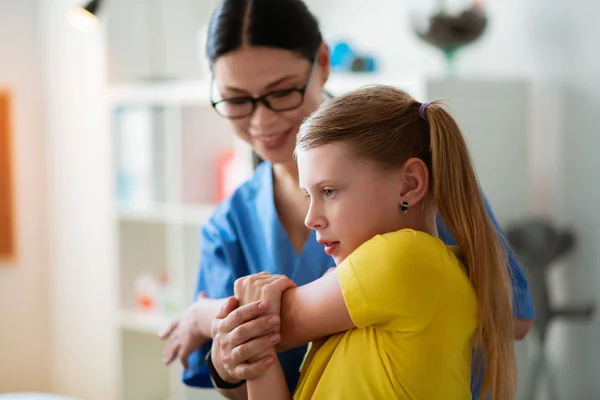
<point x="270" y="66"/>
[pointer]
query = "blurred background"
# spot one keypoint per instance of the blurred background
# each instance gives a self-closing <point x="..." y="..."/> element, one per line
<point x="111" y="158"/>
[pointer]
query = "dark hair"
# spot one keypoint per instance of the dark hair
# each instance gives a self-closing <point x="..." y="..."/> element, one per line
<point x="383" y="124"/>
<point x="283" y="24"/>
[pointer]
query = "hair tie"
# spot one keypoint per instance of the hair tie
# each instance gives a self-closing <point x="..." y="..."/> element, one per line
<point x="422" y="110"/>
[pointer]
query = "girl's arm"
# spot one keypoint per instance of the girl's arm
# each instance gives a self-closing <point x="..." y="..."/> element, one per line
<point x="262" y="286"/>
<point x="389" y="277"/>
<point x="313" y="311"/>
<point x="271" y="384"/>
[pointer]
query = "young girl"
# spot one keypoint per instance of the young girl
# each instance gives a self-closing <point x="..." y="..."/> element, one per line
<point x="402" y="312"/>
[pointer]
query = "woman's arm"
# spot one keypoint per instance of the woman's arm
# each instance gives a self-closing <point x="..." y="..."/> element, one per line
<point x="191" y="330"/>
<point x="313" y="311"/>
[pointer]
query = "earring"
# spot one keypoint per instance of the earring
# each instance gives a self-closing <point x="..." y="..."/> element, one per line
<point x="404" y="206"/>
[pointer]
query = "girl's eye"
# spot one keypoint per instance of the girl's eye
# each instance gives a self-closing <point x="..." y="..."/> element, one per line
<point x="306" y="196"/>
<point x="328" y="192"/>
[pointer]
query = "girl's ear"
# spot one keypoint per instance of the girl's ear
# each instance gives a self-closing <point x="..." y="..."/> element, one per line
<point x="415" y="181"/>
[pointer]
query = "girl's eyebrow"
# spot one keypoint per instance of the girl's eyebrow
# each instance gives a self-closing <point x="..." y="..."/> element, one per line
<point x="325" y="182"/>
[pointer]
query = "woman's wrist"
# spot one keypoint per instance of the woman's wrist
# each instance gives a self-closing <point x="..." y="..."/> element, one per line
<point x="220" y="367"/>
<point x="219" y="376"/>
<point x="205" y="311"/>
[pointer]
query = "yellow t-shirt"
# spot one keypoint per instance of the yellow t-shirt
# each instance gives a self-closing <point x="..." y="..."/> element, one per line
<point x="415" y="313"/>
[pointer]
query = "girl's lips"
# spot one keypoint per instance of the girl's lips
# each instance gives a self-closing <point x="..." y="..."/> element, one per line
<point x="330" y="247"/>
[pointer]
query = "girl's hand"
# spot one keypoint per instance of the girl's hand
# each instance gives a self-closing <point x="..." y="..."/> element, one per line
<point x="262" y="286"/>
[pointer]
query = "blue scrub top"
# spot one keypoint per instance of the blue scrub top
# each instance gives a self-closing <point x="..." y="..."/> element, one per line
<point x="245" y="236"/>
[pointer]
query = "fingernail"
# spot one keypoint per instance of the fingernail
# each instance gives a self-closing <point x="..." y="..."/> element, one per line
<point x="275" y="338"/>
<point x="273" y="320"/>
<point x="262" y="305"/>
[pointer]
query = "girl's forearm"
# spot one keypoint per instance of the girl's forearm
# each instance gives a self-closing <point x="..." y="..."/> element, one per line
<point x="271" y="384"/>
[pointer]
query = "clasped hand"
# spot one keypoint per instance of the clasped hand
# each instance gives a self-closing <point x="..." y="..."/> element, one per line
<point x="247" y="329"/>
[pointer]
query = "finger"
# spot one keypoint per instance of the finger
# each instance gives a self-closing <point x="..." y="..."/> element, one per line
<point x="167" y="332"/>
<point x="252" y="349"/>
<point x="188" y="347"/>
<point x="170" y="354"/>
<point x="284" y="283"/>
<point x="254" y="329"/>
<point x="243" y="314"/>
<point x="230" y="305"/>
<point x="253" y="370"/>
<point x="182" y="356"/>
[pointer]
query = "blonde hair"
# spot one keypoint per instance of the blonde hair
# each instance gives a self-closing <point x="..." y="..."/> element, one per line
<point x="383" y="124"/>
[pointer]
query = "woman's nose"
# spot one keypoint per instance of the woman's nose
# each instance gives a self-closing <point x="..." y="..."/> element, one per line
<point x="263" y="117"/>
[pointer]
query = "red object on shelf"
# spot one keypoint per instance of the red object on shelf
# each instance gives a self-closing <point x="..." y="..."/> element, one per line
<point x="225" y="165"/>
<point x="146" y="303"/>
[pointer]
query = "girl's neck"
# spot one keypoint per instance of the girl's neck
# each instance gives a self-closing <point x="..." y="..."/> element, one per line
<point x="421" y="220"/>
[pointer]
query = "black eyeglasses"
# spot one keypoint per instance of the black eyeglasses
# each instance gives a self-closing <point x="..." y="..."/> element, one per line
<point x="279" y="100"/>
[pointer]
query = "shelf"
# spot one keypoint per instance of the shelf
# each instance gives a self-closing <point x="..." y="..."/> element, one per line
<point x="198" y="92"/>
<point x="161" y="93"/>
<point x="170" y="213"/>
<point x="141" y="322"/>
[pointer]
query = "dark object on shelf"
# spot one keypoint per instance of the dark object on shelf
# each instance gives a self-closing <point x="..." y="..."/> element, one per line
<point x="449" y="32"/>
<point x="363" y="64"/>
<point x="92" y="7"/>
<point x="539" y="244"/>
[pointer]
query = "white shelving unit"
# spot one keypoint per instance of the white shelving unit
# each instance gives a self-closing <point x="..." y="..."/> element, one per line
<point x="167" y="144"/>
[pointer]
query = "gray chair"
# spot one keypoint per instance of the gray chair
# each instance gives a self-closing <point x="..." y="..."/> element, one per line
<point x="539" y="245"/>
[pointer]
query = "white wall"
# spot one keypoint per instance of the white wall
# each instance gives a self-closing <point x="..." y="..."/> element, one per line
<point x="80" y="204"/>
<point x="24" y="322"/>
<point x="580" y="142"/>
<point x="522" y="40"/>
<point x="156" y="39"/>
<point x="383" y="27"/>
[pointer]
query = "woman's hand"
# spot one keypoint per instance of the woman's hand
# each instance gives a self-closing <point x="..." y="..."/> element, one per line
<point x="242" y="335"/>
<point x="192" y="330"/>
<point x="184" y="336"/>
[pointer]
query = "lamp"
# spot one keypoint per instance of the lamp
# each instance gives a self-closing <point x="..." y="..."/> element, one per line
<point x="86" y="17"/>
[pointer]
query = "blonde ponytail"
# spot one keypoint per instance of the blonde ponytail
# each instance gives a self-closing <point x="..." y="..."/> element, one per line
<point x="459" y="200"/>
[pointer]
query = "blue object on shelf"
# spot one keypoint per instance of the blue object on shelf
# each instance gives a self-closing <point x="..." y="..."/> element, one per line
<point x="346" y="59"/>
<point x="342" y="56"/>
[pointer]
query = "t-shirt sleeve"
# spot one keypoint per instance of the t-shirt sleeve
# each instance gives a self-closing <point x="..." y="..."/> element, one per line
<point x="392" y="277"/>
<point x="220" y="266"/>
